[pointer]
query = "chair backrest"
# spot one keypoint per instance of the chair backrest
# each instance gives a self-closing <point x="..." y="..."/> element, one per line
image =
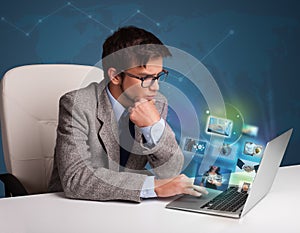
<point x="29" y="113"/>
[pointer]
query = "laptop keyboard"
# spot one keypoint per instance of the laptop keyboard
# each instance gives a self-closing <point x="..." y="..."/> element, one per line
<point x="229" y="200"/>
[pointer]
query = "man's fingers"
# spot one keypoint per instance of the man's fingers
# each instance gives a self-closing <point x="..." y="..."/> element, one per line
<point x="196" y="191"/>
<point x="200" y="189"/>
<point x="190" y="184"/>
<point x="142" y="100"/>
<point x="192" y="192"/>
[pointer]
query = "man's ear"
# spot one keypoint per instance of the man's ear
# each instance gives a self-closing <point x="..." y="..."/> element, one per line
<point x="113" y="76"/>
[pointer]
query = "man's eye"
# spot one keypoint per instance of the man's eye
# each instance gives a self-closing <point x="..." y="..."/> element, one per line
<point x="148" y="77"/>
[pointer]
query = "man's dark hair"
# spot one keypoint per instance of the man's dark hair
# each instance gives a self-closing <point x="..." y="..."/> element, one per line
<point x="130" y="47"/>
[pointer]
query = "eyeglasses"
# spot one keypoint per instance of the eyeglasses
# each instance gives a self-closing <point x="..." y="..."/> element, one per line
<point x="149" y="80"/>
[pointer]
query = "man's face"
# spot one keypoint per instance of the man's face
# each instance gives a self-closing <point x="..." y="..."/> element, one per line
<point x="132" y="87"/>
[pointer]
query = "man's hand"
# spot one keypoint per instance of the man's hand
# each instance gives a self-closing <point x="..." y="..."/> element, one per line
<point x="178" y="185"/>
<point x="144" y="113"/>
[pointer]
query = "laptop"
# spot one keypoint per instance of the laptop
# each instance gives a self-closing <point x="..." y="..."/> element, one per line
<point x="237" y="200"/>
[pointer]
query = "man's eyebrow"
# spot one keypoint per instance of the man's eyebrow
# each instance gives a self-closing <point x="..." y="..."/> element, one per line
<point x="149" y="74"/>
<point x="144" y="74"/>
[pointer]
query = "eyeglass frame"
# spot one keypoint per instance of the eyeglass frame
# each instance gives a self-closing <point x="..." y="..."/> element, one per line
<point x="163" y="72"/>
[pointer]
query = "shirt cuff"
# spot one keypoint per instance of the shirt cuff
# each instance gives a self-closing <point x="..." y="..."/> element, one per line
<point x="154" y="132"/>
<point x="148" y="188"/>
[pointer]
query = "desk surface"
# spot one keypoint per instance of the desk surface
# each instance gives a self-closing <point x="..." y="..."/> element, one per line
<point x="277" y="212"/>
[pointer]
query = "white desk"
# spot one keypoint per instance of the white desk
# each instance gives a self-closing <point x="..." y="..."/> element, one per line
<point x="277" y="212"/>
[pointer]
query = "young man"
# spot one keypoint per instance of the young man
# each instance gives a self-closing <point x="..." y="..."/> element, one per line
<point x="92" y="160"/>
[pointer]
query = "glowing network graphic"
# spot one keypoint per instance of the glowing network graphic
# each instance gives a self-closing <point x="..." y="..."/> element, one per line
<point x="93" y="19"/>
<point x="89" y="16"/>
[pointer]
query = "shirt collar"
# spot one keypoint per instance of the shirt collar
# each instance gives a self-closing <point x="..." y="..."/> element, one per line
<point x="116" y="106"/>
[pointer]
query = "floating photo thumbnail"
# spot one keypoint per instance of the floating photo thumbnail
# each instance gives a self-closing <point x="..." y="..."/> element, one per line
<point x="195" y="146"/>
<point x="213" y="177"/>
<point x="225" y="149"/>
<point x="250" y="130"/>
<point x="252" y="149"/>
<point x="245" y="172"/>
<point x="227" y="152"/>
<point x="219" y="126"/>
<point x="244" y="187"/>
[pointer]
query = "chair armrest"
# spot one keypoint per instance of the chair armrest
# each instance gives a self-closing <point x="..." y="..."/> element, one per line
<point x="13" y="187"/>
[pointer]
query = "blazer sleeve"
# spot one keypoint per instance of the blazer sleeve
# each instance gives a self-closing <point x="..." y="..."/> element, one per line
<point x="79" y="174"/>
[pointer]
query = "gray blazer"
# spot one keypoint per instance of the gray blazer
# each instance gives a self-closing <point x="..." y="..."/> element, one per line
<point x="86" y="157"/>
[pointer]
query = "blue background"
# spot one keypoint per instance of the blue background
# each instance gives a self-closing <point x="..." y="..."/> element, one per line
<point x="251" y="48"/>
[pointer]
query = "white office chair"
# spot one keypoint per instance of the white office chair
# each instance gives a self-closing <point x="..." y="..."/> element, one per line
<point x="29" y="113"/>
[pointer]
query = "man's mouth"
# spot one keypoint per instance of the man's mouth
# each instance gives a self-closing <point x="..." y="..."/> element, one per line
<point x="150" y="97"/>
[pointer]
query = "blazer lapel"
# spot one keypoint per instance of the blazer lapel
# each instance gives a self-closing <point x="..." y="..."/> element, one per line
<point x="108" y="132"/>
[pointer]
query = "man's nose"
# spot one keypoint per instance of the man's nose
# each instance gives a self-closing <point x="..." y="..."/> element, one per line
<point x="154" y="86"/>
